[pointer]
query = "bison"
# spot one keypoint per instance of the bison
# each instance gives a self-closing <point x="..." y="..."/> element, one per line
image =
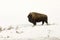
<point x="35" y="17"/>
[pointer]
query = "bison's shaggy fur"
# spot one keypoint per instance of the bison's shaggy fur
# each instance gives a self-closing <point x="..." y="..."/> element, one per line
<point x="34" y="17"/>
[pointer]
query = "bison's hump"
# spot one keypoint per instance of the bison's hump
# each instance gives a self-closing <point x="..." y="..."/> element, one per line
<point x="37" y="15"/>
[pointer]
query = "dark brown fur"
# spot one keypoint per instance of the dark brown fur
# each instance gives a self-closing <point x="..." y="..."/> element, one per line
<point x="34" y="17"/>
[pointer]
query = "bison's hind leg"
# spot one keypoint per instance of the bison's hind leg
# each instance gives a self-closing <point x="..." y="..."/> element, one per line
<point x="46" y="22"/>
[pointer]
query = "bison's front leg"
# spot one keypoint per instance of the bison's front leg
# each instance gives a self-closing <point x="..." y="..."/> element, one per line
<point x="34" y="23"/>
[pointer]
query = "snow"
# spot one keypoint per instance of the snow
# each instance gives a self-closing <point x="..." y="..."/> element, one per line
<point x="25" y="32"/>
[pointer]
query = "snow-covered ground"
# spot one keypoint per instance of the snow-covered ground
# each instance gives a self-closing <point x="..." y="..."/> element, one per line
<point x="28" y="32"/>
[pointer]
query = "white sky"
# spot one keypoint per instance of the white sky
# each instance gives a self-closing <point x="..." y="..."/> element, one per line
<point x="14" y="12"/>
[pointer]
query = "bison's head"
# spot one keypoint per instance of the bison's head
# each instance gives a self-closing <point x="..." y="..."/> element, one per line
<point x="30" y="17"/>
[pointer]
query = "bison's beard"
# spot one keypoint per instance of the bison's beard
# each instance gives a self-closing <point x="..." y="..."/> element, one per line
<point x="30" y="20"/>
